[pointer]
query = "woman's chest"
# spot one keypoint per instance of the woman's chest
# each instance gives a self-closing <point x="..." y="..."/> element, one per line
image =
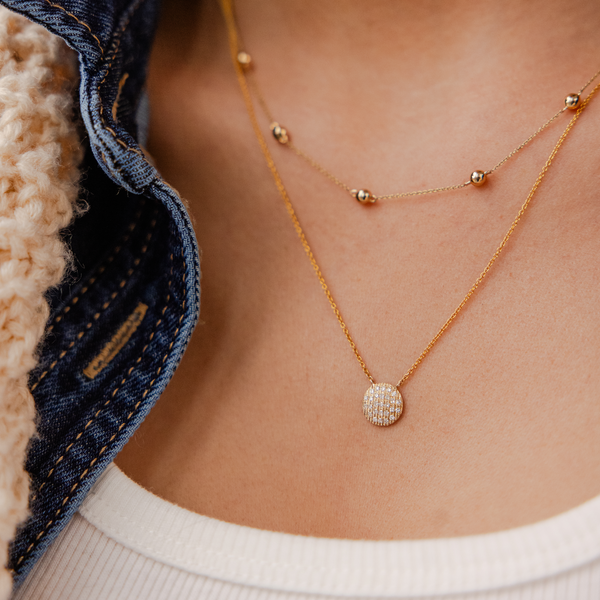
<point x="263" y="425"/>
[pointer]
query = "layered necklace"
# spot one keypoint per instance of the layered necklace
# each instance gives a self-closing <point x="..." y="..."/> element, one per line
<point x="383" y="403"/>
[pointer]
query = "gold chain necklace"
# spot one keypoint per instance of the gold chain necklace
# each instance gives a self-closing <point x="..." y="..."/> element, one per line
<point x="364" y="196"/>
<point x="382" y="403"/>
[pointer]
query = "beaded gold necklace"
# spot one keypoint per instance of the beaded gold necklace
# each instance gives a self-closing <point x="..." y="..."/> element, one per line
<point x="382" y="402"/>
<point x="477" y="178"/>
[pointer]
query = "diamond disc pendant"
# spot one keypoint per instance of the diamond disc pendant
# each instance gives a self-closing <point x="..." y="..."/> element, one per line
<point x="382" y="404"/>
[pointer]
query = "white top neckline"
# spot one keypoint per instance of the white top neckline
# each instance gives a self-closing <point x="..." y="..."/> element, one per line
<point x="143" y="522"/>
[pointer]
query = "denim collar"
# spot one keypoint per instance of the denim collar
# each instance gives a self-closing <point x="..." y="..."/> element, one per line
<point x="113" y="40"/>
<point x="137" y="271"/>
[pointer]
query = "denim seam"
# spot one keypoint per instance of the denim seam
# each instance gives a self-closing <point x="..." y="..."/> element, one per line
<point x="58" y="318"/>
<point x="115" y="106"/>
<point x="114" y="54"/>
<point x="80" y="22"/>
<point x="112" y="438"/>
<point x="78" y="337"/>
<point x="106" y="163"/>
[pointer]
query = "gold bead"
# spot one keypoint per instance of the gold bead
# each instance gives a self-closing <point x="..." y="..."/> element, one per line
<point x="279" y="133"/>
<point x="363" y="196"/>
<point x="572" y="101"/>
<point x="478" y="178"/>
<point x="244" y="59"/>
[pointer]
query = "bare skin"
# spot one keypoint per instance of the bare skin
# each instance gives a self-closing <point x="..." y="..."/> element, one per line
<point x="262" y="423"/>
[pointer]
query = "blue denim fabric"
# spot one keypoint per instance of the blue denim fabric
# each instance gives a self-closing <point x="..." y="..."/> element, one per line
<point x="134" y="245"/>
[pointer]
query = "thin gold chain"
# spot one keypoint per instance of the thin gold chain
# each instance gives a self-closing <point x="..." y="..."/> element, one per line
<point x="447" y="188"/>
<point x="234" y="49"/>
<point x="233" y="46"/>
<point x="589" y="82"/>
<point x="538" y="131"/>
<point x="505" y="239"/>
<point x="337" y="181"/>
<point x="324" y="171"/>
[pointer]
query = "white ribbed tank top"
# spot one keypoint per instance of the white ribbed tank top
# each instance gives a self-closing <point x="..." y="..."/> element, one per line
<point x="127" y="544"/>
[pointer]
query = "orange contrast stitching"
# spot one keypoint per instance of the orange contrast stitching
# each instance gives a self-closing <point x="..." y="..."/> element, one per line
<point x="80" y="22"/>
<point x="101" y="269"/>
<point x="122" y="284"/>
<point x="114" y="53"/>
<point x="104" y="448"/>
<point x="115" y="106"/>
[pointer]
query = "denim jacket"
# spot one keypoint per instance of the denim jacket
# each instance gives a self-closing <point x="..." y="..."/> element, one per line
<point x="120" y="324"/>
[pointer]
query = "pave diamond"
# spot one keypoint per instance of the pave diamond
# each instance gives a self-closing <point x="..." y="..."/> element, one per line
<point x="382" y="404"/>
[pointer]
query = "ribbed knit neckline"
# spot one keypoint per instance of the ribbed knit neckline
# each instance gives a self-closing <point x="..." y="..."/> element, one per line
<point x="155" y="528"/>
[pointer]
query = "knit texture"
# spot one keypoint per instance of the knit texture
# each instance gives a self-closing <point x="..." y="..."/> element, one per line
<point x="39" y="155"/>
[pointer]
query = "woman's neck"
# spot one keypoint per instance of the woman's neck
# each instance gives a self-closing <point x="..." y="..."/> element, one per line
<point x="373" y="72"/>
<point x="402" y="34"/>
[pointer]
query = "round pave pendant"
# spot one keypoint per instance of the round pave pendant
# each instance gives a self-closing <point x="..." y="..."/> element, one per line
<point x="382" y="404"/>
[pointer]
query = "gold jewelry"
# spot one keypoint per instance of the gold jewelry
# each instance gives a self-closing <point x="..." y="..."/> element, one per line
<point x="477" y="179"/>
<point x="382" y="402"/>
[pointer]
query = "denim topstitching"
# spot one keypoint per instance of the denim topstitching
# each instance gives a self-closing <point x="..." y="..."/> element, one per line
<point x="80" y="22"/>
<point x="88" y="326"/>
<point x="112" y="395"/>
<point x="131" y="227"/>
<point x="117" y="39"/>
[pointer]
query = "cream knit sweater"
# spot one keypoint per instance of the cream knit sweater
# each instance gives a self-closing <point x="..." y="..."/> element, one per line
<point x="39" y="155"/>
